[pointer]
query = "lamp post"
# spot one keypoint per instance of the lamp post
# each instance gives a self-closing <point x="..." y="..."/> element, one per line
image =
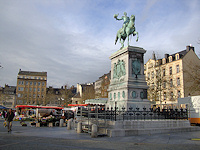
<point x="115" y="109"/>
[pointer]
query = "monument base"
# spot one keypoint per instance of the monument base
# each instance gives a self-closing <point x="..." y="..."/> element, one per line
<point x="141" y="127"/>
<point x="128" y="87"/>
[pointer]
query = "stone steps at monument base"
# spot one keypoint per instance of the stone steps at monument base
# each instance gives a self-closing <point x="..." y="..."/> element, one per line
<point x="138" y="124"/>
<point x="133" y="132"/>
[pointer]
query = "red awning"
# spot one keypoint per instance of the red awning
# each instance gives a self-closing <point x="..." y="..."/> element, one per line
<point x="33" y="106"/>
<point x="77" y="104"/>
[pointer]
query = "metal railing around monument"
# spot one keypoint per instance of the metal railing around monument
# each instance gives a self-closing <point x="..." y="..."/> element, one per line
<point x="115" y="114"/>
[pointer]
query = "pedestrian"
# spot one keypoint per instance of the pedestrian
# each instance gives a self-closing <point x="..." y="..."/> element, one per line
<point x="9" y="117"/>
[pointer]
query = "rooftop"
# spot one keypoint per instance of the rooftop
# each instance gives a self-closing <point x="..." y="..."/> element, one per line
<point x="32" y="73"/>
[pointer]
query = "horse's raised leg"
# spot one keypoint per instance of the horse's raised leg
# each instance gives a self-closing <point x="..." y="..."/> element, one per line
<point x="122" y="43"/>
<point x="136" y="33"/>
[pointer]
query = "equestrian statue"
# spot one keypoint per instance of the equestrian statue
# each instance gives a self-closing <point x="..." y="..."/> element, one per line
<point x="127" y="29"/>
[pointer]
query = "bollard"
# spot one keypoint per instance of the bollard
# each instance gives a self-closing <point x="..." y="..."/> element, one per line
<point x="94" y="131"/>
<point x="79" y="127"/>
<point x="38" y="124"/>
<point x="50" y="124"/>
<point x="61" y="122"/>
<point x="72" y="124"/>
<point x="69" y="125"/>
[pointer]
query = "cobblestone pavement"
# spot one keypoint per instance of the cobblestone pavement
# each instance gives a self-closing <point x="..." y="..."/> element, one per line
<point x="61" y="138"/>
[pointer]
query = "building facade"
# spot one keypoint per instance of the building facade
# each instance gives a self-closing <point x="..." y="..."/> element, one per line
<point x="102" y="85"/>
<point x="31" y="88"/>
<point x="59" y="96"/>
<point x="83" y="92"/>
<point x="8" y="96"/>
<point x="170" y="78"/>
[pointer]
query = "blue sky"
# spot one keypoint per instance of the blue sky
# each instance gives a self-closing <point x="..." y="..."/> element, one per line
<point x="73" y="39"/>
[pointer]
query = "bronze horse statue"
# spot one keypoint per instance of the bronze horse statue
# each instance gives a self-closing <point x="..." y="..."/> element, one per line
<point x="122" y="33"/>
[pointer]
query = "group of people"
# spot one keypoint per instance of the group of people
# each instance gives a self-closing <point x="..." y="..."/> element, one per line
<point x="8" y="116"/>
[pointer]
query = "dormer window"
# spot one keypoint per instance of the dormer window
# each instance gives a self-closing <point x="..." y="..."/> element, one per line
<point x="170" y="58"/>
<point x="157" y="62"/>
<point x="163" y="61"/>
<point x="177" y="56"/>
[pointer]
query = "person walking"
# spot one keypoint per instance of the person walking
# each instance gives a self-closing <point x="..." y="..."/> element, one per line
<point x="9" y="117"/>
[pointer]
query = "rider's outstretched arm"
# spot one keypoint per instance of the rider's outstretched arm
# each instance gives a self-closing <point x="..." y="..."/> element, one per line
<point x="116" y="15"/>
<point x="119" y="19"/>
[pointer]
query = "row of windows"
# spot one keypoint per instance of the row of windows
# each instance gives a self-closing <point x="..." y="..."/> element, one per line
<point x="31" y="83"/>
<point x="164" y="72"/>
<point x="31" y="77"/>
<point x="158" y="62"/>
<point x="27" y="102"/>
<point x="171" y="84"/>
<point x="170" y="58"/>
<point x="172" y="95"/>
<point x="11" y="93"/>
<point x="34" y="96"/>
<point x="30" y="89"/>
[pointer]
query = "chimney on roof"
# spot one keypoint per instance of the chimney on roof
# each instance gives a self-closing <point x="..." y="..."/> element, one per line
<point x="189" y="47"/>
<point x="166" y="56"/>
<point x="153" y="56"/>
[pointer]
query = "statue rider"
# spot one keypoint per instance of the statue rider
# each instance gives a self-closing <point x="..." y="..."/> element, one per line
<point x="126" y="21"/>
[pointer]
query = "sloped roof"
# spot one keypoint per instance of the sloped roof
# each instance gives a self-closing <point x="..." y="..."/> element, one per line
<point x="181" y="53"/>
<point x="10" y="89"/>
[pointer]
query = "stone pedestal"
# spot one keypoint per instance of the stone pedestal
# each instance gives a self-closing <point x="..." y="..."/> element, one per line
<point x="69" y="125"/>
<point x="61" y="122"/>
<point x="50" y="124"/>
<point x="94" y="131"/>
<point x="128" y="87"/>
<point x="79" y="127"/>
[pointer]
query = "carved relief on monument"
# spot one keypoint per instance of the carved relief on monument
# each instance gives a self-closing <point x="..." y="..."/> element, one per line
<point x="133" y="94"/>
<point x="110" y="96"/>
<point x="123" y="94"/>
<point x="142" y="95"/>
<point x="118" y="95"/>
<point x="136" y="67"/>
<point x="119" y="69"/>
<point x="114" y="96"/>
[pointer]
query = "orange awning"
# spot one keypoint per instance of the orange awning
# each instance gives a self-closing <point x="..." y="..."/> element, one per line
<point x="33" y="106"/>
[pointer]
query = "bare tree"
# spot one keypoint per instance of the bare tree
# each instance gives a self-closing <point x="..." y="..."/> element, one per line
<point x="88" y="93"/>
<point x="192" y="79"/>
<point x="161" y="87"/>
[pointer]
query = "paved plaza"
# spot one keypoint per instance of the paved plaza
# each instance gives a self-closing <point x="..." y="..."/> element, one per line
<point x="60" y="138"/>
